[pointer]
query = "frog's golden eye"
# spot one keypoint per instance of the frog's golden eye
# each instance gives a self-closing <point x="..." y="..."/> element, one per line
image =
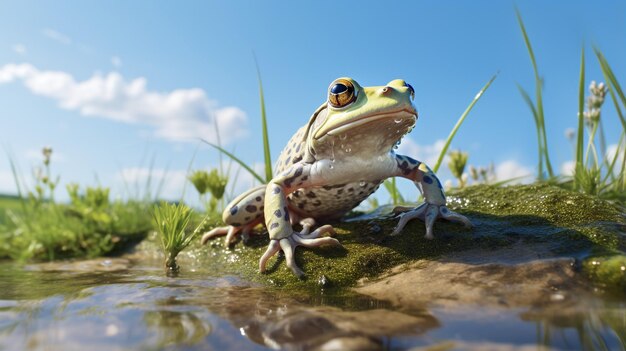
<point x="341" y="93"/>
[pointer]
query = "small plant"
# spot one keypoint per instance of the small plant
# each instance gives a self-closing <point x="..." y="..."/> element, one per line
<point x="172" y="222"/>
<point x="457" y="162"/>
<point x="209" y="182"/>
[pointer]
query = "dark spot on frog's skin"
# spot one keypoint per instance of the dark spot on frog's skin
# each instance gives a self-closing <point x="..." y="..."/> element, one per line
<point x="276" y="190"/>
<point x="293" y="178"/>
<point x="278" y="214"/>
<point x="236" y="224"/>
<point x="329" y="187"/>
<point x="258" y="198"/>
<point x="444" y="210"/>
<point x="247" y="218"/>
<point x="427" y="179"/>
<point x="412" y="161"/>
<point x="350" y="190"/>
<point x="297" y="159"/>
<point x="298" y="172"/>
<point x="262" y="208"/>
<point x="233" y="210"/>
<point x="317" y="203"/>
<point x="304" y="178"/>
<point x="251" y="208"/>
<point x="274" y="225"/>
<point x="361" y="192"/>
<point x="298" y="147"/>
<point x="287" y="160"/>
<point x="296" y="193"/>
<point x="340" y="191"/>
<point x="258" y="215"/>
<point x="311" y="195"/>
<point x="404" y="167"/>
<point x="286" y="214"/>
<point x="301" y="205"/>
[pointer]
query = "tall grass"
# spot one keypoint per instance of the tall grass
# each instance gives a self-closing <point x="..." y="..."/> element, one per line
<point x="266" y="142"/>
<point x="536" y="108"/>
<point x="594" y="172"/>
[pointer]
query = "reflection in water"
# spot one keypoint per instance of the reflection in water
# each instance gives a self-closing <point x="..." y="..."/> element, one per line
<point x="134" y="309"/>
<point x="177" y="327"/>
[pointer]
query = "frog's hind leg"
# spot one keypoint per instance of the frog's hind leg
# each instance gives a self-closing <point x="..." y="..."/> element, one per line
<point x="231" y="233"/>
<point x="241" y="215"/>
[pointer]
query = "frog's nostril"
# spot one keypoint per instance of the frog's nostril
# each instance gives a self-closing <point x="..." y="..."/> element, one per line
<point x="385" y="90"/>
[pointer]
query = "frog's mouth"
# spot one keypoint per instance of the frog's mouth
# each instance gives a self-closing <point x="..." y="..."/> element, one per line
<point x="401" y="118"/>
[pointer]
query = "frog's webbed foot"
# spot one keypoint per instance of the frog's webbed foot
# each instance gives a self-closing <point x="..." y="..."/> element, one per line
<point x="231" y="233"/>
<point x="429" y="213"/>
<point x="289" y="244"/>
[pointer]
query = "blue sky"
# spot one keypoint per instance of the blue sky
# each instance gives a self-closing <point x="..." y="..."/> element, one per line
<point x="111" y="84"/>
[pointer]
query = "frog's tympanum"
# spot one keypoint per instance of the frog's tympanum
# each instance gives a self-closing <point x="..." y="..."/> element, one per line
<point x="331" y="164"/>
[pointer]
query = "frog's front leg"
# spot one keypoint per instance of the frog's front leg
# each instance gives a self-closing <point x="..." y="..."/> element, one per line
<point x="434" y="205"/>
<point x="278" y="223"/>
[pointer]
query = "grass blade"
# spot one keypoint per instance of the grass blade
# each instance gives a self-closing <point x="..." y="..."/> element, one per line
<point x="236" y="159"/>
<point x="266" y="143"/>
<point x="538" y="96"/>
<point x="460" y="121"/>
<point x="530" y="104"/>
<point x="581" y="106"/>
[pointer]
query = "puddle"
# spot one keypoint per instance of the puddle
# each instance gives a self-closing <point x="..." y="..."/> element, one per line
<point x="136" y="307"/>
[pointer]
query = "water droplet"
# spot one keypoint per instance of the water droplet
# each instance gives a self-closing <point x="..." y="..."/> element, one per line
<point x="398" y="120"/>
<point x="348" y="150"/>
<point x="362" y="183"/>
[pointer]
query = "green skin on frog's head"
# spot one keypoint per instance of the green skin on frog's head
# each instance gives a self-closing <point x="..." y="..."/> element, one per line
<point x="330" y="165"/>
<point x="361" y="121"/>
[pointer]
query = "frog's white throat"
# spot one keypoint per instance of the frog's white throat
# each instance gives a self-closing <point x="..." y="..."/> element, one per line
<point x="365" y="138"/>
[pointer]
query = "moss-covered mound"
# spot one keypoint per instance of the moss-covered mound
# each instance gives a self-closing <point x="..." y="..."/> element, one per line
<point x="555" y="222"/>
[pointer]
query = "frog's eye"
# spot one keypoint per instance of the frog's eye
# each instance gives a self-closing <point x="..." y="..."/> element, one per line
<point x="411" y="90"/>
<point x="341" y="93"/>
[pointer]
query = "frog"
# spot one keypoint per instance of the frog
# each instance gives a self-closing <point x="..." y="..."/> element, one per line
<point x="330" y="165"/>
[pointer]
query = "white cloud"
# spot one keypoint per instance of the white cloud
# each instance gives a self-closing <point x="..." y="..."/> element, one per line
<point x="424" y="153"/>
<point x="610" y="154"/>
<point x="56" y="36"/>
<point x="511" y="169"/>
<point x="116" y="61"/>
<point x="178" y="115"/>
<point x="19" y="48"/>
<point x="567" y="168"/>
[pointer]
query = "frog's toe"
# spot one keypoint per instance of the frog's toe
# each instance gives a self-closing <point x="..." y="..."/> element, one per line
<point x="289" y="247"/>
<point x="307" y="224"/>
<point x="405" y="217"/>
<point x="219" y="231"/>
<point x="317" y="232"/>
<point x="455" y="217"/>
<point x="272" y="249"/>
<point x="316" y="242"/>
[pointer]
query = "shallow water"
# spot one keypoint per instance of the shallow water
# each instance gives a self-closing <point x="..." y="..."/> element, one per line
<point x="115" y="304"/>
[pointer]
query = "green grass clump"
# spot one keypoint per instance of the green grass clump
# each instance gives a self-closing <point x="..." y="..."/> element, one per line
<point x="172" y="222"/>
<point x="34" y="226"/>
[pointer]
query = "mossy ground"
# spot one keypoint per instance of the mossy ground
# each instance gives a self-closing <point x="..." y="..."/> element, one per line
<point x="561" y="222"/>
